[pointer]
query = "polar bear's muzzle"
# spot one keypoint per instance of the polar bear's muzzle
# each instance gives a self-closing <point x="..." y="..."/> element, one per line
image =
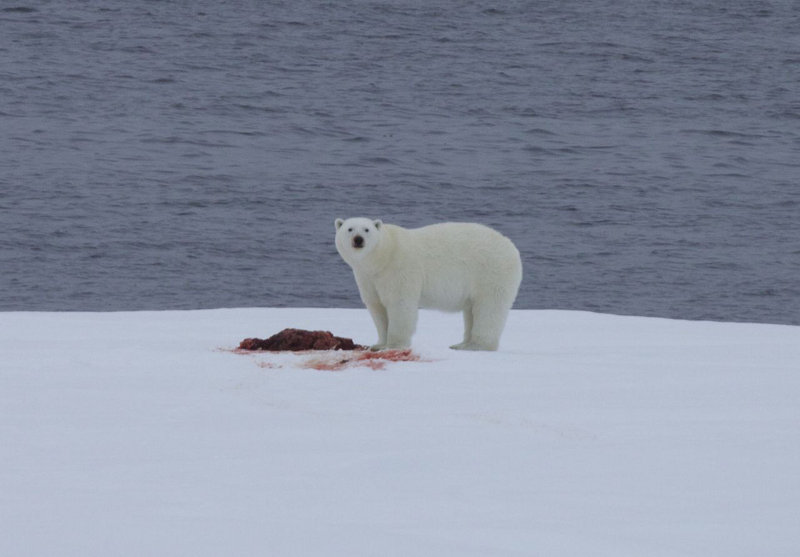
<point x="358" y="242"/>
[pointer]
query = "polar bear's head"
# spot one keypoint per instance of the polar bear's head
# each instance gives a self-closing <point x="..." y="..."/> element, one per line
<point x="357" y="237"/>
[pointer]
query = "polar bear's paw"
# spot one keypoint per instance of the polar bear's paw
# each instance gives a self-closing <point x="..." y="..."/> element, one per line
<point x="473" y="346"/>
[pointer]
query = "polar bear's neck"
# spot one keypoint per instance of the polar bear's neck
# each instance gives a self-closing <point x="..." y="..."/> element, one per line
<point x="381" y="257"/>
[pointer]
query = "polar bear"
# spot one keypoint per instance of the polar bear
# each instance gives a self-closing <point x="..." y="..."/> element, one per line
<point x="450" y="266"/>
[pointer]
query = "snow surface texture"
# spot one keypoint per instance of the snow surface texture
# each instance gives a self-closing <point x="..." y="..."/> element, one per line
<point x="586" y="434"/>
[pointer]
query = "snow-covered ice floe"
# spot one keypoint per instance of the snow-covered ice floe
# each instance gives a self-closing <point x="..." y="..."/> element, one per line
<point x="144" y="434"/>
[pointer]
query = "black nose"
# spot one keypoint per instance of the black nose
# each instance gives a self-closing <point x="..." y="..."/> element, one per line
<point x="358" y="241"/>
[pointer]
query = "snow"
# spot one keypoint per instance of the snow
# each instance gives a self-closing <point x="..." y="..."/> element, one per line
<point x="143" y="434"/>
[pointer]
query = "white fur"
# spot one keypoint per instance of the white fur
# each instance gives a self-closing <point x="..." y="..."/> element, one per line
<point x="450" y="266"/>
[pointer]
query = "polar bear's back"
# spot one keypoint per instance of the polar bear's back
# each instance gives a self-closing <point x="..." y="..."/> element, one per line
<point x="463" y="241"/>
<point x="462" y="261"/>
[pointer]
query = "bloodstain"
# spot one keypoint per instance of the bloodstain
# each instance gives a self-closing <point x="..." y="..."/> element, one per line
<point x="328" y="352"/>
<point x="372" y="360"/>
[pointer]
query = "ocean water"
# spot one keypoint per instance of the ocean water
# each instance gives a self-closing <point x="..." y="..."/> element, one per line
<point x="645" y="158"/>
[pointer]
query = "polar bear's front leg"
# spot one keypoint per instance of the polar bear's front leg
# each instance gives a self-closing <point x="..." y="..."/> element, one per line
<point x="467" y="329"/>
<point x="378" y="313"/>
<point x="402" y="324"/>
<point x="375" y="307"/>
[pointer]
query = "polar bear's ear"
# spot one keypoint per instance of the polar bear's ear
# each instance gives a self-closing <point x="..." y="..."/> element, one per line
<point x="377" y="224"/>
<point x="338" y="223"/>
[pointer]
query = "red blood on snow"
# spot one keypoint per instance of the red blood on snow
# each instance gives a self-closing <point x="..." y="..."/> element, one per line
<point x="373" y="360"/>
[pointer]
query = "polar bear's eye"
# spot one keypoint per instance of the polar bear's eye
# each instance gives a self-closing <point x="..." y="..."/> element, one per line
<point x="366" y="230"/>
<point x="349" y="229"/>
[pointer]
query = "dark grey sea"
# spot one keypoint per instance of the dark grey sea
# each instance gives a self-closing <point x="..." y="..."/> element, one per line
<point x="644" y="156"/>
